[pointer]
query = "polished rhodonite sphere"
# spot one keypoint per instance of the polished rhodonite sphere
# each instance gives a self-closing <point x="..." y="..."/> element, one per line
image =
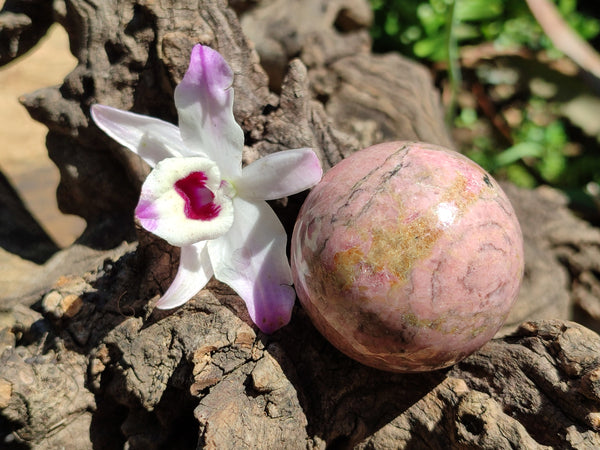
<point x="407" y="256"/>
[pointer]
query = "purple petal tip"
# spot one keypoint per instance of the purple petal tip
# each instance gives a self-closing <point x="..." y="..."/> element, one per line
<point x="208" y="68"/>
<point x="147" y="215"/>
<point x="275" y="311"/>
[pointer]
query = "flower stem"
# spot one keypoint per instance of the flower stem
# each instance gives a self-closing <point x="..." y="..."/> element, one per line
<point x="454" y="74"/>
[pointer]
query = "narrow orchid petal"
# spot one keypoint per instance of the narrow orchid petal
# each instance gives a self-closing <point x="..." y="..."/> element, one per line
<point x="184" y="201"/>
<point x="152" y="139"/>
<point x="280" y="174"/>
<point x="251" y="259"/>
<point x="192" y="275"/>
<point x="204" y="101"/>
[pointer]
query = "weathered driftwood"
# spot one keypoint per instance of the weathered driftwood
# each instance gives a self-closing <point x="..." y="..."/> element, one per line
<point x="86" y="361"/>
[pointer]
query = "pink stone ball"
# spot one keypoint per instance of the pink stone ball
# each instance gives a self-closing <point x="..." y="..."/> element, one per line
<point x="407" y="256"/>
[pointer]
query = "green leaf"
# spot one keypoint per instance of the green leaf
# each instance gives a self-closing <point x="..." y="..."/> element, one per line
<point x="467" y="117"/>
<point x="475" y="10"/>
<point x="431" y="21"/>
<point x="517" y="152"/>
<point x="552" y="166"/>
<point x="392" y="25"/>
<point x="463" y="32"/>
<point x="519" y="175"/>
<point x="431" y="47"/>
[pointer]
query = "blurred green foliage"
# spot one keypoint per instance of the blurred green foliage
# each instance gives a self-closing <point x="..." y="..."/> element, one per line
<point x="434" y="31"/>
<point x="417" y="28"/>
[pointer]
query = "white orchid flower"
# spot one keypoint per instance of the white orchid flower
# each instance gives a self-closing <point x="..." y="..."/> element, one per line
<point x="198" y="196"/>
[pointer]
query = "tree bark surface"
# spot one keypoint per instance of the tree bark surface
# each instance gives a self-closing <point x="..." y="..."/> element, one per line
<point x="86" y="361"/>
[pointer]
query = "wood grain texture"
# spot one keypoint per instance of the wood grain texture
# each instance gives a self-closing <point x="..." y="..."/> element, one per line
<point x="86" y="361"/>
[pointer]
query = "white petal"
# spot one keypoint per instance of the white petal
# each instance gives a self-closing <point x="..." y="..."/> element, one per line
<point x="204" y="101"/>
<point x="192" y="275"/>
<point x="280" y="174"/>
<point x="251" y="259"/>
<point x="165" y="210"/>
<point x="152" y="139"/>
